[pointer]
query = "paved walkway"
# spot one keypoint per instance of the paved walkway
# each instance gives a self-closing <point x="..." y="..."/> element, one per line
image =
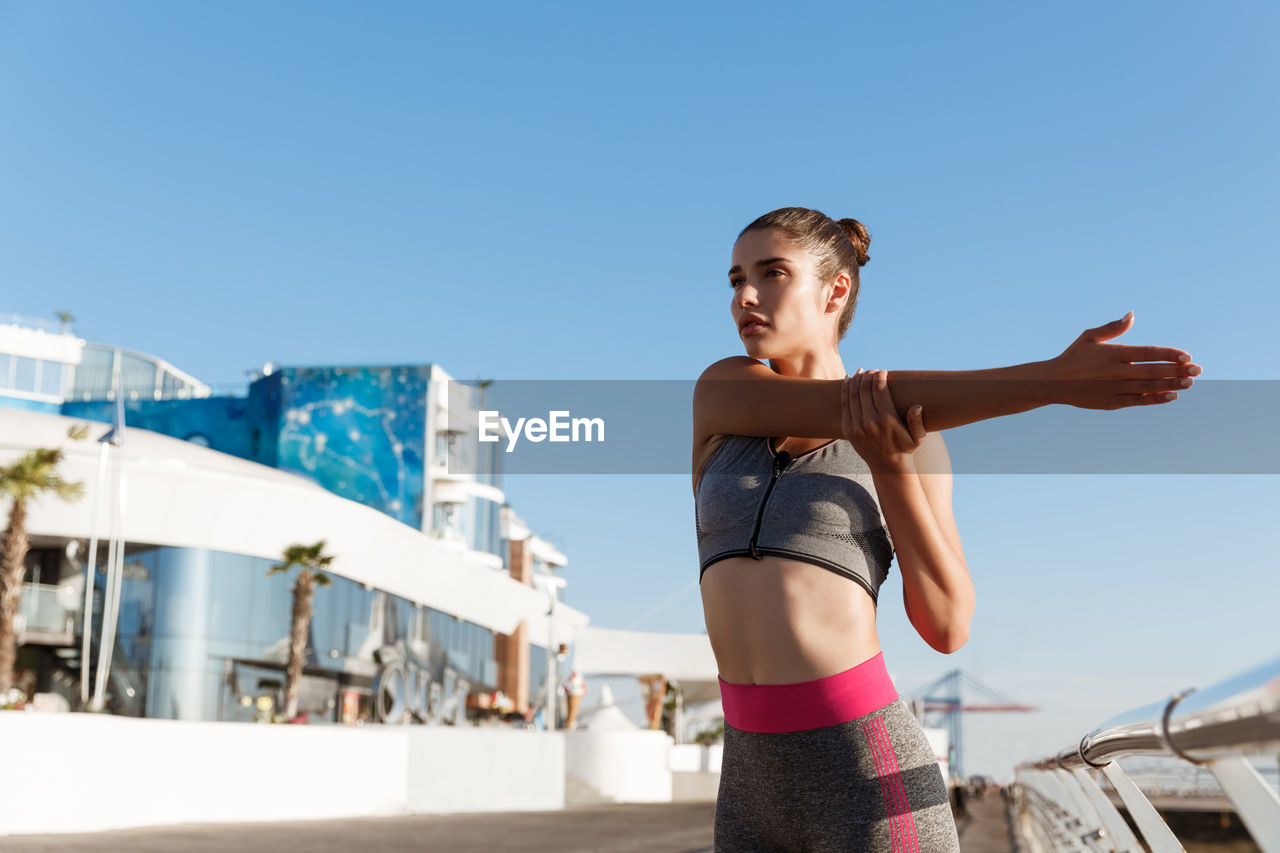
<point x="628" y="828"/>
<point x="986" y="828"/>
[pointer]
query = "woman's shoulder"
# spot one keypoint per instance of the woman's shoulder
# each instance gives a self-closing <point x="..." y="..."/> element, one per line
<point x="734" y="367"/>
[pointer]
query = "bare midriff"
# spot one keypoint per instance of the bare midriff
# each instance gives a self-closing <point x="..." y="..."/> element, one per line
<point x="780" y="621"/>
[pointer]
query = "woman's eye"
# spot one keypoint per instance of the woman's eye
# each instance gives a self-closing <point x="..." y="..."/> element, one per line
<point x="734" y="282"/>
<point x="771" y="272"/>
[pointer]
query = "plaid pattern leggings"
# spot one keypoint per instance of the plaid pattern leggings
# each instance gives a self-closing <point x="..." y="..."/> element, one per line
<point x="836" y="764"/>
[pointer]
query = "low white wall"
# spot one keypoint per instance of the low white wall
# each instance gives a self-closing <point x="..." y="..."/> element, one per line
<point x="627" y="767"/>
<point x="695" y="772"/>
<point x="484" y="769"/>
<point x="90" y="772"/>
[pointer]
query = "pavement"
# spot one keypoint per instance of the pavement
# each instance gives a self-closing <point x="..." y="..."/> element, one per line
<point x="618" y="828"/>
<point x="985" y="828"/>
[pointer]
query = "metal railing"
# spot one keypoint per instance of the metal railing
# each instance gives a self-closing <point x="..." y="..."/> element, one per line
<point x="40" y="323"/>
<point x="1215" y="728"/>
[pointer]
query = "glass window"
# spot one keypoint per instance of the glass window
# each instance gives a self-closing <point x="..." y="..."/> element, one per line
<point x="326" y="629"/>
<point x="24" y="378"/>
<point x="6" y="362"/>
<point x="93" y="376"/>
<point x="137" y="377"/>
<point x="233" y="580"/>
<point x="51" y="378"/>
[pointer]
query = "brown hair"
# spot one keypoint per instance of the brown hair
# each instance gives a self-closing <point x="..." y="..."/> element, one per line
<point x="839" y="245"/>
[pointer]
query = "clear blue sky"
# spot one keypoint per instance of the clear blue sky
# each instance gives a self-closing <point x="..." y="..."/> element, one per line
<point x="552" y="191"/>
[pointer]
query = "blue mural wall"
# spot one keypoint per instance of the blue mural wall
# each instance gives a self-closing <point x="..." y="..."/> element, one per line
<point x="216" y="422"/>
<point x="32" y="405"/>
<point x="262" y="419"/>
<point x="359" y="432"/>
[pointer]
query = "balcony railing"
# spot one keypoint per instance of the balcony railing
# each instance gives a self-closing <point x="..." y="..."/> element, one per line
<point x="48" y="614"/>
<point x="1215" y="728"/>
<point x="40" y="323"/>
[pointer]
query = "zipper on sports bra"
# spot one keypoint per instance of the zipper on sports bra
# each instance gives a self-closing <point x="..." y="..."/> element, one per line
<point x="780" y="462"/>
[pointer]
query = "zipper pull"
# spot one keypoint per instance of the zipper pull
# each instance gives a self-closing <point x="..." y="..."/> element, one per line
<point x="780" y="462"/>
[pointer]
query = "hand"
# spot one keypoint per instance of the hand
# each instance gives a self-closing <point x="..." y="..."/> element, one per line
<point x="871" y="423"/>
<point x="1092" y="375"/>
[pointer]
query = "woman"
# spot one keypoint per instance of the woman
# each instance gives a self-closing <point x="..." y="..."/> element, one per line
<point x="807" y="482"/>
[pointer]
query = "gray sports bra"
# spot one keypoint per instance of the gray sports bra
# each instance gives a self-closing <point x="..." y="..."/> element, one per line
<point x="819" y="507"/>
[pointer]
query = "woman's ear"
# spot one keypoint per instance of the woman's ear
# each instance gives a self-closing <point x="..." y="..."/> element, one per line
<point x="838" y="292"/>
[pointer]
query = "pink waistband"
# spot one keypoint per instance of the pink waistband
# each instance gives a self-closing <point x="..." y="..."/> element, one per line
<point x="837" y="698"/>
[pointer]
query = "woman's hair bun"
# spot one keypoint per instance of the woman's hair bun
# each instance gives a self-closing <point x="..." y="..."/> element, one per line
<point x="858" y="235"/>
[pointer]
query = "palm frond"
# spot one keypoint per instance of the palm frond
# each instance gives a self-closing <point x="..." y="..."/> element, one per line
<point x="311" y="557"/>
<point x="36" y="472"/>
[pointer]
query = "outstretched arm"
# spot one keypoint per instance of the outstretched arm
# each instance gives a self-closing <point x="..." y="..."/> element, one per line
<point x="741" y="396"/>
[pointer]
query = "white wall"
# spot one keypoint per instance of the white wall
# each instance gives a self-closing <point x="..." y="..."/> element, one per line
<point x="502" y="769"/>
<point x="691" y="757"/>
<point x="90" y="772"/>
<point x="625" y="766"/>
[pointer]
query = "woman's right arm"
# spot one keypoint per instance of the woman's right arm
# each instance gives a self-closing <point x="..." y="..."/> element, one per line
<point x="742" y="396"/>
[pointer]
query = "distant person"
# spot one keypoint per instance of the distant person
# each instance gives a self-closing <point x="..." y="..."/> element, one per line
<point x="575" y="687"/>
<point x="958" y="800"/>
<point x="806" y="484"/>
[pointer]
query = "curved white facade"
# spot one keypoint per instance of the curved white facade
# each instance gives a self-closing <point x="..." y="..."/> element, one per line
<point x="183" y="495"/>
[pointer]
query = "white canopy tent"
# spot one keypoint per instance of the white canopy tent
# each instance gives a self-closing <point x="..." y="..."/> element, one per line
<point x="683" y="658"/>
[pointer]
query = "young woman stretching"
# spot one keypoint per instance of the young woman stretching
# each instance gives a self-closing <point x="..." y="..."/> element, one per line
<point x="807" y="482"/>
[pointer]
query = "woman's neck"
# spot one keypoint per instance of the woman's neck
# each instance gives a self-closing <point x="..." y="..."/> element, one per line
<point x="810" y="365"/>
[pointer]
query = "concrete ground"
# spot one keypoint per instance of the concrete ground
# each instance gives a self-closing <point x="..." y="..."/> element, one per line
<point x="985" y="828"/>
<point x="626" y="828"/>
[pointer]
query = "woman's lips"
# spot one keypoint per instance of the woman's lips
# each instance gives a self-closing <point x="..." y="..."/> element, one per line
<point x="753" y="328"/>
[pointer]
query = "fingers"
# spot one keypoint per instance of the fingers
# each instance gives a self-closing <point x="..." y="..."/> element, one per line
<point x="1152" y="386"/>
<point x="1158" y="371"/>
<point x="1109" y="330"/>
<point x="1127" y="352"/>
<point x="1125" y="400"/>
<point x="915" y="424"/>
<point x="846" y="416"/>
<point x="883" y="397"/>
<point x="864" y="393"/>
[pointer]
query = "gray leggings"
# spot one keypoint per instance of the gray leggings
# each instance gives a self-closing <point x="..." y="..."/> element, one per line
<point x="868" y="784"/>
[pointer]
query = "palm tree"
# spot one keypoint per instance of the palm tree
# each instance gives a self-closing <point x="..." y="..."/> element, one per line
<point x="312" y="559"/>
<point x="31" y="475"/>
<point x="66" y="319"/>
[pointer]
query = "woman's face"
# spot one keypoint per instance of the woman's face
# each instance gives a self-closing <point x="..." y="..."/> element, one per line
<point x="775" y="282"/>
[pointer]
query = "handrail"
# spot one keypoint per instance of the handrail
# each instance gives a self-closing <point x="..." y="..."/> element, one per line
<point x="32" y="323"/>
<point x="1216" y="727"/>
<point x="1233" y="717"/>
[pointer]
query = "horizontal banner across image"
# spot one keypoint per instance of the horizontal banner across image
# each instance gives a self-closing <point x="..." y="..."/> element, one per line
<point x="641" y="426"/>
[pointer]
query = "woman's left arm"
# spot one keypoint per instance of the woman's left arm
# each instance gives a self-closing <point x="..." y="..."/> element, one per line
<point x="937" y="591"/>
<point x="912" y="474"/>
